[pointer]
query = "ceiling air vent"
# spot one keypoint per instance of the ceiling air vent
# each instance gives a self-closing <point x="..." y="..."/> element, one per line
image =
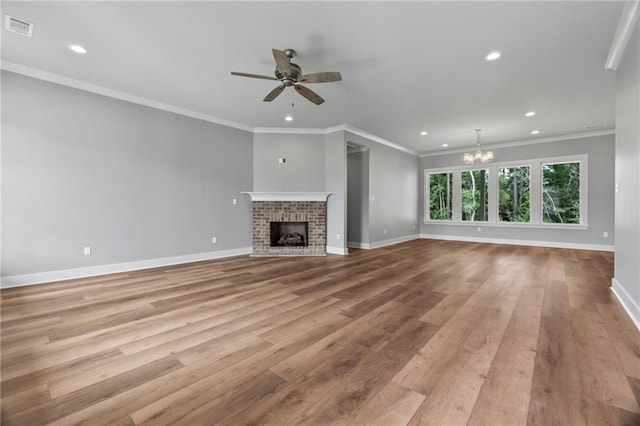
<point x="18" y="26"/>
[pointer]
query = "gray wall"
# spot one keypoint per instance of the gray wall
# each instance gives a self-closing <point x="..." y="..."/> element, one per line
<point x="358" y="197"/>
<point x="314" y="163"/>
<point x="304" y="169"/>
<point x="393" y="191"/>
<point x="393" y="174"/>
<point x="600" y="150"/>
<point x="627" y="264"/>
<point x="336" y="183"/>
<point x="133" y="183"/>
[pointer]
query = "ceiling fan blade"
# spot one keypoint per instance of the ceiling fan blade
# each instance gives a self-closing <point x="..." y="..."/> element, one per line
<point x="244" y="74"/>
<point x="321" y="77"/>
<point x="309" y="94"/>
<point x="274" y="93"/>
<point x="282" y="61"/>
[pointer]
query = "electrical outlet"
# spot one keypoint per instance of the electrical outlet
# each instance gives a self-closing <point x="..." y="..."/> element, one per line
<point x="479" y="229"/>
<point x="235" y="201"/>
<point x="87" y="251"/>
<point x="385" y="230"/>
<point x="605" y="235"/>
<point x="214" y="240"/>
<point x="337" y="236"/>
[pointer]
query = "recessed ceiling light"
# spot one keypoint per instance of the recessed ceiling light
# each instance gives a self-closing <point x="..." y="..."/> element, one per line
<point x="423" y="133"/>
<point x="535" y="132"/>
<point x="493" y="56"/>
<point x="530" y="114"/>
<point x="78" y="49"/>
<point x="288" y="118"/>
<point x="445" y="145"/>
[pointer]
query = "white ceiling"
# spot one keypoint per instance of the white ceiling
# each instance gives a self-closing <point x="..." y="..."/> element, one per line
<point x="406" y="66"/>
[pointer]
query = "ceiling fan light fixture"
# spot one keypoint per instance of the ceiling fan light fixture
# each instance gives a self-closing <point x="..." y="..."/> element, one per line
<point x="290" y="75"/>
<point x="478" y="157"/>
<point x="530" y="114"/>
<point x="288" y="118"/>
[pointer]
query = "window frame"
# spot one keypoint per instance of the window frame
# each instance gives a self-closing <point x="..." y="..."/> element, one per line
<point x="473" y="168"/>
<point x="583" y="193"/>
<point x="497" y="198"/>
<point x="535" y="193"/>
<point x="427" y="200"/>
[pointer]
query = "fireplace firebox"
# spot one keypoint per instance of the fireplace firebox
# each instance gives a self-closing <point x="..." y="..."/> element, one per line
<point x="289" y="234"/>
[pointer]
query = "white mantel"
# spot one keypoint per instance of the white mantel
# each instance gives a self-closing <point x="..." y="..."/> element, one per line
<point x="288" y="196"/>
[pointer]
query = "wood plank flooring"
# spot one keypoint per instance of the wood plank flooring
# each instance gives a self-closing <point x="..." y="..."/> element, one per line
<point x="421" y="333"/>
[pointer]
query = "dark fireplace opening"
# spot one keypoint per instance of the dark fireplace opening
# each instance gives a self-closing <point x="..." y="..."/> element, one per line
<point x="289" y="234"/>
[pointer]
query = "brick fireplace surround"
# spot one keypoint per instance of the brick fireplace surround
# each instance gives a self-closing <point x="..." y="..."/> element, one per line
<point x="289" y="207"/>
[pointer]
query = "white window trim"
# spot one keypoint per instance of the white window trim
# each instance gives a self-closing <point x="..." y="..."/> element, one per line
<point x="535" y="191"/>
<point x="427" y="200"/>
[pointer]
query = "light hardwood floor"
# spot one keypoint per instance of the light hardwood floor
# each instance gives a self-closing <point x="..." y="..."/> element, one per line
<point x="424" y="332"/>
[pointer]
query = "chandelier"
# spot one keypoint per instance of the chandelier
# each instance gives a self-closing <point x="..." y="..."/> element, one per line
<point x="478" y="157"/>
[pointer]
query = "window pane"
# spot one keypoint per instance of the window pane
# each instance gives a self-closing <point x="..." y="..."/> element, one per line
<point x="440" y="200"/>
<point x="561" y="193"/>
<point x="475" y="190"/>
<point x="514" y="201"/>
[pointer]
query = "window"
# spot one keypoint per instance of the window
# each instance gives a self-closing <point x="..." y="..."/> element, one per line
<point x="440" y="199"/>
<point x="535" y="193"/>
<point x="514" y="204"/>
<point x="561" y="192"/>
<point x="475" y="191"/>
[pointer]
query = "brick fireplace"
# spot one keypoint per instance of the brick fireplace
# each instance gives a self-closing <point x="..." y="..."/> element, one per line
<point x="308" y="208"/>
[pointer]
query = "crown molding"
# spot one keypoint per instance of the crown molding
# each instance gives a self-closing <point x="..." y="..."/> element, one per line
<point x="289" y="130"/>
<point x="525" y="142"/>
<point x="88" y="87"/>
<point x="333" y="129"/>
<point x="367" y="135"/>
<point x="104" y="91"/>
<point x="626" y="24"/>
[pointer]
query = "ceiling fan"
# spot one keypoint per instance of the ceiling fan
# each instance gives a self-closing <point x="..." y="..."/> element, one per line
<point x="290" y="74"/>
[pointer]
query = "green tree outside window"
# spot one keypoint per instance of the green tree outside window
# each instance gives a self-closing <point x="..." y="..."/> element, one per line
<point x="561" y="193"/>
<point x="475" y="200"/>
<point x="514" y="200"/>
<point x="440" y="199"/>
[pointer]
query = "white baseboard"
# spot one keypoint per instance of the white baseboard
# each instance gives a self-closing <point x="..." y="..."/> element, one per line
<point x="627" y="302"/>
<point x="337" y="250"/>
<point x="67" y="274"/>
<point x="358" y="245"/>
<point x="393" y="241"/>
<point x="382" y="243"/>
<point x="533" y="243"/>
